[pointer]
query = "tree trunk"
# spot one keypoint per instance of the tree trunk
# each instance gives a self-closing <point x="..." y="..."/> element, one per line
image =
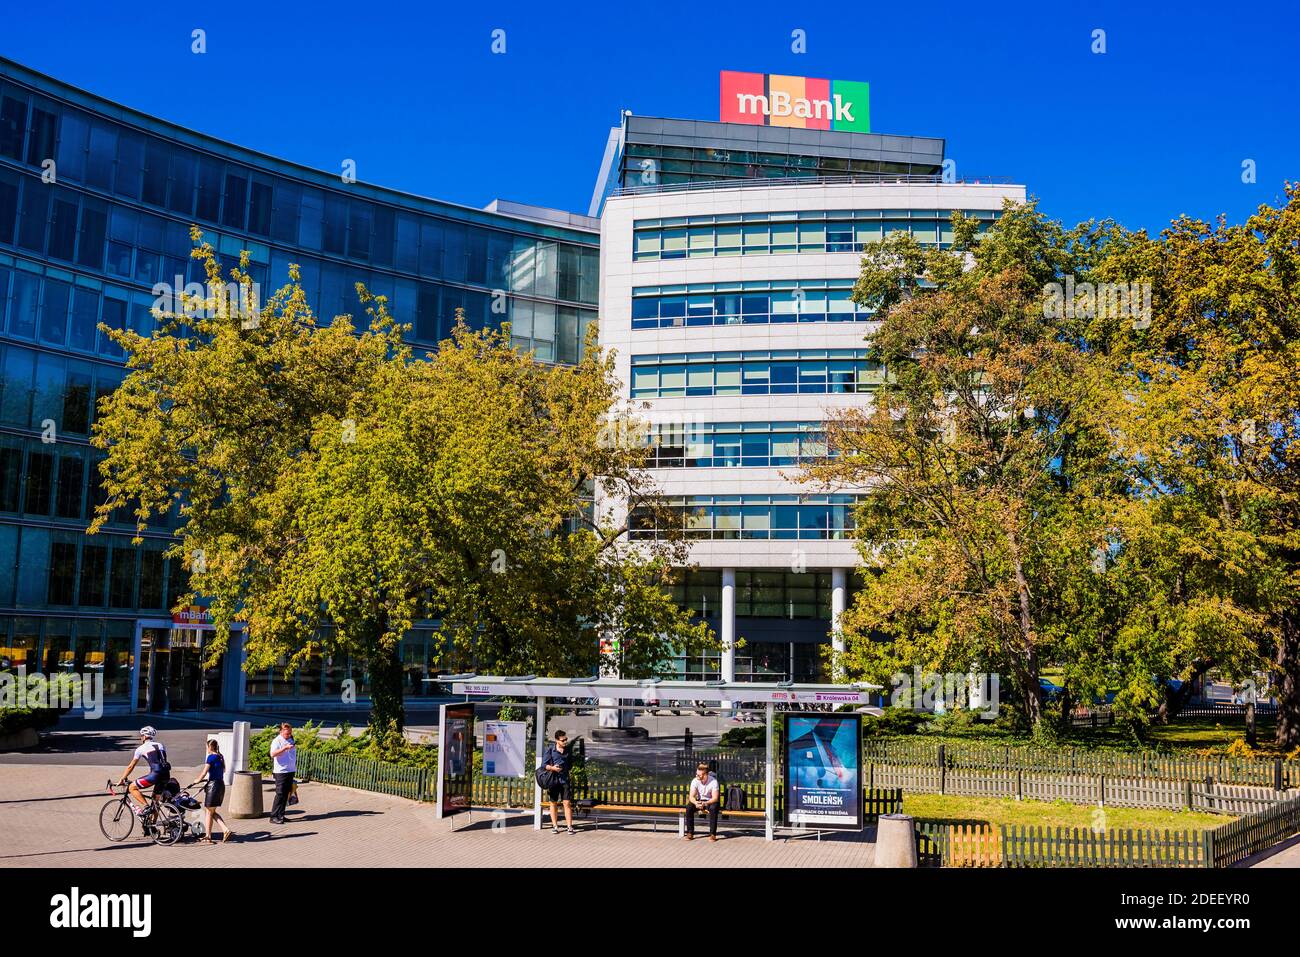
<point x="1250" y="723"/>
<point x="1067" y="706"/>
<point x="1287" y="682"/>
<point x="386" y="704"/>
<point x="1033" y="691"/>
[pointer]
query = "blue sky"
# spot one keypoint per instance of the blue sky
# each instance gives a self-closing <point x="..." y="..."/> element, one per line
<point x="1158" y="125"/>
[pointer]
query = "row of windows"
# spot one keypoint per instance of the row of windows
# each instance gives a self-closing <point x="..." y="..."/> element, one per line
<point x="747" y="308"/>
<point x="78" y="645"/>
<point x="730" y="444"/>
<point x="64" y="225"/>
<point x="58" y="480"/>
<point x="743" y="373"/>
<point x="41" y="387"/>
<point x="811" y="215"/>
<point x="58" y="308"/>
<point x="737" y="239"/>
<point x="651" y="163"/>
<point x="756" y="661"/>
<point x="719" y="155"/>
<point x="44" y="567"/>
<point x="198" y="187"/>
<point x="759" y="594"/>
<point x="753" y="517"/>
<point x="423" y="655"/>
<point x="652" y="172"/>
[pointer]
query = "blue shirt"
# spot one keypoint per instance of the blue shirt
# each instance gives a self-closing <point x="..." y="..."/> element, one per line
<point x="560" y="759"/>
<point x="216" y="768"/>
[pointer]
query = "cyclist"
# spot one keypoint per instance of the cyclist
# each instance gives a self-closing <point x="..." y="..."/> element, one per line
<point x="155" y="755"/>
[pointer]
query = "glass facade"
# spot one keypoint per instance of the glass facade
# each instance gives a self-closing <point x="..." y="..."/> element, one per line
<point x="778" y="372"/>
<point x="783" y="618"/>
<point x="96" y="204"/>
<point x="646" y="164"/>
<point x="759" y="594"/>
<point x="754" y="517"/>
<point x="734" y="444"/>
<point x="746" y="303"/>
<point x="816" y="231"/>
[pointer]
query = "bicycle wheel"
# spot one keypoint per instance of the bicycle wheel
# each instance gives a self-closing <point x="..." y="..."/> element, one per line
<point x="116" y="820"/>
<point x="168" y="824"/>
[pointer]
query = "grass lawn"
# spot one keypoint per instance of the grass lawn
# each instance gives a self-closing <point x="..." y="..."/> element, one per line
<point x="997" y="811"/>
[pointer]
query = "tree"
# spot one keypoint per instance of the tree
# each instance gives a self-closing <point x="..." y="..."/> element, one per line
<point x="1212" y="425"/>
<point x="324" y="475"/>
<point x="1111" y="490"/>
<point x="981" y="458"/>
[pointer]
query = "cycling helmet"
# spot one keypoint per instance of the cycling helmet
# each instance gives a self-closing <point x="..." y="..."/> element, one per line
<point x="148" y="731"/>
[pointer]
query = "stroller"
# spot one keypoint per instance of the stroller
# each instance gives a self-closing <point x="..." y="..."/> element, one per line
<point x="191" y="810"/>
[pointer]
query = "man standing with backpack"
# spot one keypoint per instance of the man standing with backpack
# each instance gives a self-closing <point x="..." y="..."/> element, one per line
<point x="154" y="754"/>
<point x="557" y="761"/>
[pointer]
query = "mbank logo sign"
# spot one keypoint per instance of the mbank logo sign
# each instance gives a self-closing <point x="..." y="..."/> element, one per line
<point x="803" y="102"/>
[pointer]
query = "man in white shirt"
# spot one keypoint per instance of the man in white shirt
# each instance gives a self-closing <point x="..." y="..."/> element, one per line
<point x="705" y="797"/>
<point x="284" y="762"/>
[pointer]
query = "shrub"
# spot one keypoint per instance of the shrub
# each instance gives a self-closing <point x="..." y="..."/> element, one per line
<point x="894" y="721"/>
<point x="13" y="720"/>
<point x="391" y="746"/>
<point x="750" y="737"/>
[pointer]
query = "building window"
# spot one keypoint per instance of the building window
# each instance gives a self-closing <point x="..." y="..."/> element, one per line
<point x="754" y="373"/>
<point x="762" y="517"/>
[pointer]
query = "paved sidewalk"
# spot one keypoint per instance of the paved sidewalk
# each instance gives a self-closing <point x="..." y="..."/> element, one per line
<point x="49" y="817"/>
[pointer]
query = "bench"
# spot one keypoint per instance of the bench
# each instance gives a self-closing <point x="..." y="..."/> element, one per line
<point x="654" y="802"/>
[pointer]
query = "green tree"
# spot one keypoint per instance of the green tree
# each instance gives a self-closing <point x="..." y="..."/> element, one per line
<point x="1111" y="491"/>
<point x="322" y="474"/>
<point x="981" y="459"/>
<point x="1211" y="427"/>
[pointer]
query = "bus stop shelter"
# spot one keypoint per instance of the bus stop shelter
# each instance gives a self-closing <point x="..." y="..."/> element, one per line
<point x="627" y="692"/>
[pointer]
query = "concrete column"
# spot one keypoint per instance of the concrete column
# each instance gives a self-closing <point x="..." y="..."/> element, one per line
<point x="769" y="775"/>
<point x="839" y="600"/>
<point x="728" y="625"/>
<point x="539" y="739"/>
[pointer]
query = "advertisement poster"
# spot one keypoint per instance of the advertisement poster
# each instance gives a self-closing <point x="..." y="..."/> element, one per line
<point x="503" y="748"/>
<point x="456" y="758"/>
<point x="823" y="771"/>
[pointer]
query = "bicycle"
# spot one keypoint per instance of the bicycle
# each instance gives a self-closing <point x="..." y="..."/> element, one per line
<point x="162" y="820"/>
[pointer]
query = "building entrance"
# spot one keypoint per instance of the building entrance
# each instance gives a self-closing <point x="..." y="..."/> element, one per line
<point x="171" y="673"/>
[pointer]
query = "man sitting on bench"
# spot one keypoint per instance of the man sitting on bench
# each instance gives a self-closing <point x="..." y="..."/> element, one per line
<point x="705" y="796"/>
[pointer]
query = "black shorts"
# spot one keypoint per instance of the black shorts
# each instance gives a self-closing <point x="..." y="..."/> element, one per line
<point x="560" y="792"/>
<point x="214" y="792"/>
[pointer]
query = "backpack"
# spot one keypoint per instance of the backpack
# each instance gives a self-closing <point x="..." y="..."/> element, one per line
<point x="735" y="798"/>
<point x="164" y="767"/>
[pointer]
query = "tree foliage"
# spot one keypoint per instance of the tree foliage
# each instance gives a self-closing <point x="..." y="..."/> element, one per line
<point x="1106" y="492"/>
<point x="325" y="474"/>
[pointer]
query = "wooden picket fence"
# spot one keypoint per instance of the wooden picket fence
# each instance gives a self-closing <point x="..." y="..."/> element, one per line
<point x="973" y="845"/>
<point x="1029" y="846"/>
<point x="1237" y="840"/>
<point x="980" y="844"/>
<point x="1278" y="773"/>
<point x="1205" y="795"/>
